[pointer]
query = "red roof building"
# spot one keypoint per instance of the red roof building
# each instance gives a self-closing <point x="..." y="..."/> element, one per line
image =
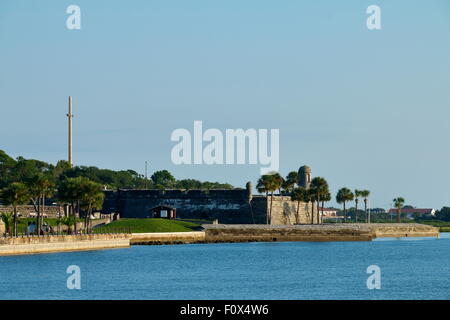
<point x="410" y="212"/>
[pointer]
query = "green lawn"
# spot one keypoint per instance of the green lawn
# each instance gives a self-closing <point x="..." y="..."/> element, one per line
<point x="435" y="223"/>
<point x="444" y="226"/>
<point x="147" y="225"/>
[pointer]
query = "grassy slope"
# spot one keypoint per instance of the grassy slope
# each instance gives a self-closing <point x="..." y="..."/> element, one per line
<point x="149" y="225"/>
<point x="444" y="226"/>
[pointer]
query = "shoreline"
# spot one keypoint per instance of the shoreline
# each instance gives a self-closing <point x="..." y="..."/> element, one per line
<point x="215" y="234"/>
<point x="62" y="243"/>
<point x="273" y="233"/>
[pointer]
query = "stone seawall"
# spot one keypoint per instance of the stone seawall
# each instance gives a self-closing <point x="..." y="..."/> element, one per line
<point x="332" y="232"/>
<point x="267" y="233"/>
<point x="168" y="237"/>
<point x="385" y="230"/>
<point x="47" y="244"/>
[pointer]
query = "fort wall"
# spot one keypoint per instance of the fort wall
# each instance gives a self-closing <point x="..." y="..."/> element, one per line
<point x="227" y="206"/>
<point x="25" y="211"/>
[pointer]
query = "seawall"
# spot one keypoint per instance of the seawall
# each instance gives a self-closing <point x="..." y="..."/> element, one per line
<point x="47" y="244"/>
<point x="383" y="230"/>
<point x="214" y="233"/>
<point x="331" y="232"/>
<point x="168" y="237"/>
<point x="266" y="233"/>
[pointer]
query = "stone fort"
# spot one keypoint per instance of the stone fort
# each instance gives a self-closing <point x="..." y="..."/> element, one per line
<point x="238" y="206"/>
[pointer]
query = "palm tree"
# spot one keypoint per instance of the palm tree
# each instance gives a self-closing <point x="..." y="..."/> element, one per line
<point x="92" y="199"/>
<point x="278" y="181"/>
<point x="365" y="195"/>
<point x="319" y="187"/>
<point x="290" y="182"/>
<point x="357" y="195"/>
<point x="398" y="203"/>
<point x="325" y="198"/>
<point x="299" y="194"/>
<point x="263" y="186"/>
<point x="269" y="183"/>
<point x="312" y="198"/>
<point x="344" y="195"/>
<point x="15" y="194"/>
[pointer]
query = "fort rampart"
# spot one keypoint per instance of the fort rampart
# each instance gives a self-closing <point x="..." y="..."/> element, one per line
<point x="227" y="206"/>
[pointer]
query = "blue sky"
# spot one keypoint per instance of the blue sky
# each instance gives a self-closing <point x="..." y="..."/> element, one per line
<point x="364" y="109"/>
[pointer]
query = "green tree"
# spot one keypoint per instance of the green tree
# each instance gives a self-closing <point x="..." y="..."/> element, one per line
<point x="443" y="214"/>
<point x="7" y="165"/>
<point x="398" y="203"/>
<point x="189" y="184"/>
<point x="26" y="169"/>
<point x="61" y="167"/>
<point x="15" y="194"/>
<point x="163" y="179"/>
<point x="8" y="220"/>
<point x="344" y="195"/>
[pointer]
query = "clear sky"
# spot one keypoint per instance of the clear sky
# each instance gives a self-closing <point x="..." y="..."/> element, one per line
<point x="364" y="109"/>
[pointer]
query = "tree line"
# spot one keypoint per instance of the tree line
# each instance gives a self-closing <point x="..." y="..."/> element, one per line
<point x="21" y="169"/>
<point x="79" y="189"/>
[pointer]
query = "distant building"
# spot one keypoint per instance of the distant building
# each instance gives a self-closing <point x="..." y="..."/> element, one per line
<point x="411" y="213"/>
<point x="328" y="212"/>
<point x="377" y="210"/>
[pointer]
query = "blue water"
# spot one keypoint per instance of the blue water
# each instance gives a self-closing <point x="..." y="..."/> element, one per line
<point x="411" y="268"/>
